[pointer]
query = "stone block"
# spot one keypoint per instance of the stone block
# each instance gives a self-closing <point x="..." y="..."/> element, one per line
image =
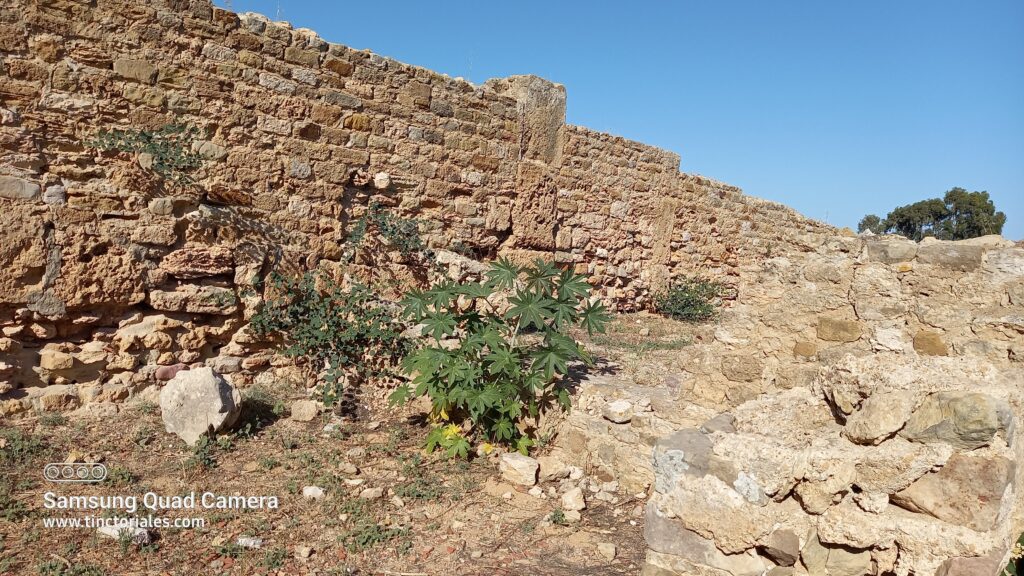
<point x="18" y="189"/>
<point x="836" y="330"/>
<point x="965" y="420"/>
<point x="951" y="255"/>
<point x="930" y="343"/>
<point x="967" y="491"/>
<point x="137" y="70"/>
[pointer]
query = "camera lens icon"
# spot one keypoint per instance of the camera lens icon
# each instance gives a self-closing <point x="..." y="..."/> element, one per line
<point x="75" y="472"/>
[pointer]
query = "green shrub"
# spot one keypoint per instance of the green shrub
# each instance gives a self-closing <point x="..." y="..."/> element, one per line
<point x="169" y="146"/>
<point x="403" y="234"/>
<point x="332" y="328"/>
<point x="693" y="299"/>
<point x="492" y="367"/>
<point x="16" y="447"/>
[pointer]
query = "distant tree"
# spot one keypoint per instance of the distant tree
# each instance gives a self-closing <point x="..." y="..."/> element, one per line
<point x="917" y="220"/>
<point x="958" y="215"/>
<point x="971" y="214"/>
<point x="871" y="222"/>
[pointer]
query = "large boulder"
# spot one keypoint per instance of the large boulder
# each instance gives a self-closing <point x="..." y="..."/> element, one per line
<point x="197" y="402"/>
<point x="967" y="491"/>
<point x="965" y="420"/>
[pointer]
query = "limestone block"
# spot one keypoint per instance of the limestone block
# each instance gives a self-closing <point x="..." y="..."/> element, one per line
<point x="880" y="416"/>
<point x="876" y="293"/>
<point x="18" y="189"/>
<point x="782" y="547"/>
<point x="742" y="367"/>
<point x="198" y="262"/>
<point x="304" y="410"/>
<point x="891" y="249"/>
<point x="138" y="70"/>
<point x="619" y="411"/>
<point x="668" y="536"/>
<point x="951" y="255"/>
<point x="195" y="299"/>
<point x="574" y="500"/>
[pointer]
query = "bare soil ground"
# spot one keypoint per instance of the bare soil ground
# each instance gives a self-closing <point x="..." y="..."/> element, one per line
<point x="436" y="516"/>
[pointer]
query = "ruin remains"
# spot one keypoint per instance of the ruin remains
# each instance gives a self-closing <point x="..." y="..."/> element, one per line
<point x="853" y="412"/>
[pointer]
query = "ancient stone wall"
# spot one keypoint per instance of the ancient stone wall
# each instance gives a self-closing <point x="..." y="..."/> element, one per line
<point x="298" y="136"/>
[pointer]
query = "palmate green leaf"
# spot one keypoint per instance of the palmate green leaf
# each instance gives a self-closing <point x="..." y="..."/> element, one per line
<point x="594" y="316"/>
<point x="441" y="295"/>
<point x="550" y="360"/>
<point x="571" y="286"/>
<point x="434" y="439"/>
<point x="523" y="444"/>
<point x="501" y="360"/>
<point x="531" y="309"/>
<point x="539" y="276"/>
<point x="425" y="361"/>
<point x="563" y="399"/>
<point x="565" y="345"/>
<point x="458" y="447"/>
<point x="503" y="429"/>
<point x="415" y="305"/>
<point x="400" y="395"/>
<point x="473" y="290"/>
<point x="503" y="274"/>
<point x="439" y="324"/>
<point x="563" y="312"/>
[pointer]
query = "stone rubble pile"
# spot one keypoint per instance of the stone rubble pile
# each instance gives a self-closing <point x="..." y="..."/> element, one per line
<point x="878" y="468"/>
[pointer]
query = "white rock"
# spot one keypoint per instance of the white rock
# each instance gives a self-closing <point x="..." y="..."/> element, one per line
<point x="303" y="552"/>
<point x="607" y="550"/>
<point x="381" y="180"/>
<point x="372" y="493"/>
<point x="574" y="500"/>
<point x="304" y="410"/>
<point x="619" y="411"/>
<point x="249" y="542"/>
<point x="313" y="492"/>
<point x="138" y="536"/>
<point x="573" y="516"/>
<point x="518" y="469"/>
<point x="575" y="473"/>
<point x="198" y="401"/>
<point x="552" y="468"/>
<point x="536" y="492"/>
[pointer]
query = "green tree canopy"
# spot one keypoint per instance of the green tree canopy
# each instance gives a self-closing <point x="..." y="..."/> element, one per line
<point x="958" y="215"/>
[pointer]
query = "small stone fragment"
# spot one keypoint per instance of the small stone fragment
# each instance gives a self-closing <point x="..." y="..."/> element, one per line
<point x="518" y="469"/>
<point x="312" y="492"/>
<point x="619" y="411"/>
<point x="574" y="500"/>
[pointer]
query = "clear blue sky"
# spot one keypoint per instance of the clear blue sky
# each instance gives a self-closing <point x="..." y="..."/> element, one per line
<point x="835" y="108"/>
